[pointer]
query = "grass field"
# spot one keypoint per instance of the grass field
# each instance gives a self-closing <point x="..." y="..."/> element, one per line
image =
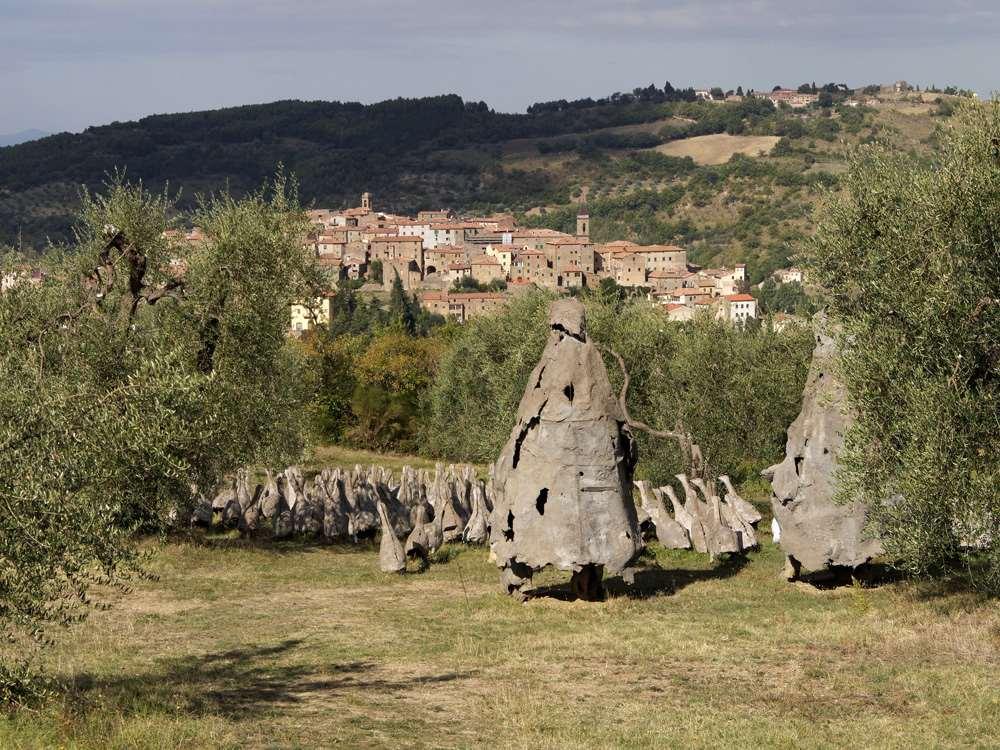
<point x="719" y="148"/>
<point x="291" y="645"/>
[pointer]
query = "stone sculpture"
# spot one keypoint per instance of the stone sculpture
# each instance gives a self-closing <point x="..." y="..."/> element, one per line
<point x="817" y="534"/>
<point x="391" y="556"/>
<point x="670" y="533"/>
<point x="563" y="482"/>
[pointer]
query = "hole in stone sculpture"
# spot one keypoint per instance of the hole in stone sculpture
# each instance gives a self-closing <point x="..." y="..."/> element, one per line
<point x="540" y="373"/>
<point x="508" y="533"/>
<point x="798" y="466"/>
<point x="568" y="390"/>
<point x="562" y="329"/>
<point x="825" y="451"/>
<point x="543" y="496"/>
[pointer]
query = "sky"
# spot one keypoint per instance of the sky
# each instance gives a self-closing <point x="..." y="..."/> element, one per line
<point x="68" y="64"/>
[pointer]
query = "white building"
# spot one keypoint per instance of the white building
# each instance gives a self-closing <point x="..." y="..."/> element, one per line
<point x="739" y="308"/>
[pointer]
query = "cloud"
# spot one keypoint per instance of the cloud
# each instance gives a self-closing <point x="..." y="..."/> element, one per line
<point x="55" y="55"/>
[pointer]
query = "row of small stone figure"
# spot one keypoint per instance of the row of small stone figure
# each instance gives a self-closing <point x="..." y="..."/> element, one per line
<point x="705" y="520"/>
<point x="426" y="509"/>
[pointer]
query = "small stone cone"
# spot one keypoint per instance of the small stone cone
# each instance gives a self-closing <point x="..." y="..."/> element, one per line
<point x="689" y="514"/>
<point x="719" y="536"/>
<point x="477" y="529"/>
<point x="747" y="512"/>
<point x="391" y="555"/>
<point x="670" y="533"/>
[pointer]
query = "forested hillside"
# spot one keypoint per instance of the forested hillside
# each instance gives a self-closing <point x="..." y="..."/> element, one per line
<point x="654" y="165"/>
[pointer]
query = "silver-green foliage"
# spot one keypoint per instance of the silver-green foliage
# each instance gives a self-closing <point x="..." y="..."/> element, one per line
<point x="909" y="257"/>
<point x="473" y="402"/>
<point x="125" y="379"/>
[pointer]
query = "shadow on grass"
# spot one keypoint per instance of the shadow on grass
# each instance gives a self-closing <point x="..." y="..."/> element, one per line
<point x="652" y="581"/>
<point x="232" y="540"/>
<point x="238" y="683"/>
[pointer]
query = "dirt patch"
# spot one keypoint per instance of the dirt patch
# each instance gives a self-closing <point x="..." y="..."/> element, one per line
<point x="719" y="148"/>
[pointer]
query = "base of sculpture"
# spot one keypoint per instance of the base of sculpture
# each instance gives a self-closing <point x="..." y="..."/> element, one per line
<point x="586" y="583"/>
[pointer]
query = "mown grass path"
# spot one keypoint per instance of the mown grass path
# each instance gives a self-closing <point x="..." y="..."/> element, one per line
<point x="292" y="645"/>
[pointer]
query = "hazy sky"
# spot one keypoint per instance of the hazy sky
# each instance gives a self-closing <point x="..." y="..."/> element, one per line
<point x="66" y="64"/>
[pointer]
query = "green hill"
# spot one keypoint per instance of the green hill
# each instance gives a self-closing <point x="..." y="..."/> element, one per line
<point x="654" y="166"/>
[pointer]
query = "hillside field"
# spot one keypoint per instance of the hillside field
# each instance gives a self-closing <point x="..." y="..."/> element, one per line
<point x="238" y="645"/>
<point x="720" y="147"/>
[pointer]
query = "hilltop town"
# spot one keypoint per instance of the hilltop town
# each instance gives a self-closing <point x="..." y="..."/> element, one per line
<point x="461" y="267"/>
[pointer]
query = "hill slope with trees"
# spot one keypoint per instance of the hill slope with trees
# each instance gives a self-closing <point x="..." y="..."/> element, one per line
<point x="442" y="151"/>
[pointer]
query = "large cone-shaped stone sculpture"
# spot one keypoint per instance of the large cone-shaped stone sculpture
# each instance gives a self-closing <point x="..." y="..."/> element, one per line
<point x="815" y="532"/>
<point x="563" y="482"/>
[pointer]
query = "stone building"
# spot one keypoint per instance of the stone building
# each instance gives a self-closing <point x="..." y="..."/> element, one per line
<point x="486" y="269"/>
<point x="396" y="248"/>
<point x="739" y="308"/>
<point x="628" y="269"/>
<point x="462" y="305"/>
<point x="437" y="259"/>
<point x="570" y="251"/>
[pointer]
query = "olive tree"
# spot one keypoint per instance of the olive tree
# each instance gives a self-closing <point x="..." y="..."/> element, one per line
<point x="138" y="367"/>
<point x="909" y="258"/>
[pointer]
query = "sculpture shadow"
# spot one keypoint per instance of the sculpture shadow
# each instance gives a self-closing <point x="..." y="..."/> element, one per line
<point x="651" y="581"/>
<point x="271" y="545"/>
<point x="236" y="683"/>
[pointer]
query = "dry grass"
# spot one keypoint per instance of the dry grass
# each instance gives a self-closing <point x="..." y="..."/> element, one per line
<point x="719" y="148"/>
<point x="292" y="645"/>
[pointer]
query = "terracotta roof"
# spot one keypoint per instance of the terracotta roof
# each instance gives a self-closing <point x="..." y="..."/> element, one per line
<point x="668" y="274"/>
<point x="566" y="241"/>
<point x="541" y="232"/>
<point x="455" y="225"/>
<point x="740" y="298"/>
<point x="657" y="249"/>
<point x="465" y="296"/>
<point x="396" y="238"/>
<point x="446" y="249"/>
<point x="459" y="267"/>
<point x="484" y="260"/>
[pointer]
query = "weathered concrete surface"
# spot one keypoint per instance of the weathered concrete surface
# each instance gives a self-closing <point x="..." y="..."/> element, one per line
<point x="563" y="482"/>
<point x="815" y="532"/>
<point x="668" y="531"/>
<point x="391" y="555"/>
